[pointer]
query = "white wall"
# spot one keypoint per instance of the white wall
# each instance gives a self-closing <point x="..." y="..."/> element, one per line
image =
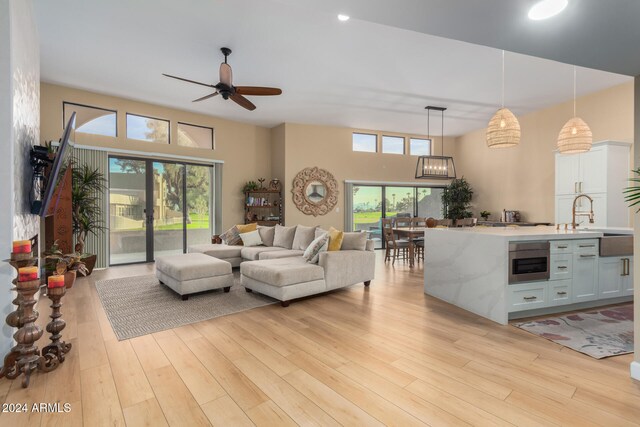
<point x="19" y="130"/>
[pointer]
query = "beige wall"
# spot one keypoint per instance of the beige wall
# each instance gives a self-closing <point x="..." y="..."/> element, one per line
<point x="636" y="231"/>
<point x="522" y="178"/>
<point x="330" y="148"/>
<point x="244" y="148"/>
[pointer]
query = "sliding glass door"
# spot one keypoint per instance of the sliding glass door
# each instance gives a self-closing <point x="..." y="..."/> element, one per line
<point x="157" y="208"/>
<point x="371" y="203"/>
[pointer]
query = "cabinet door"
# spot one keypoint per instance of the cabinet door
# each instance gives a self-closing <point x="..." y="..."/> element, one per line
<point x="567" y="174"/>
<point x="585" y="277"/>
<point x="560" y="268"/>
<point x="600" y="218"/>
<point x="564" y="205"/>
<point x="611" y="277"/>
<point x="593" y="171"/>
<point x="627" y="283"/>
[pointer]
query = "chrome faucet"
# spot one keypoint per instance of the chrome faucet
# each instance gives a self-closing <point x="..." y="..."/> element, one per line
<point x="574" y="214"/>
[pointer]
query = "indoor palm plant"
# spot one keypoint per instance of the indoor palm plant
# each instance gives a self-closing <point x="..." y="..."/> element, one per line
<point x="632" y="194"/>
<point x="88" y="185"/>
<point x="456" y="199"/>
<point x="67" y="265"/>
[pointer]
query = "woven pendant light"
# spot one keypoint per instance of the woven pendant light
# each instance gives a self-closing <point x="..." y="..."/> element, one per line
<point x="575" y="136"/>
<point x="503" y="130"/>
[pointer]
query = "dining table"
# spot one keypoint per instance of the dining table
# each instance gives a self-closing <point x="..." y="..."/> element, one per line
<point x="410" y="233"/>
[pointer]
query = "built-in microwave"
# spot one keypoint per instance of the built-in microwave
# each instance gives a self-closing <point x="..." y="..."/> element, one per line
<point x="528" y="261"/>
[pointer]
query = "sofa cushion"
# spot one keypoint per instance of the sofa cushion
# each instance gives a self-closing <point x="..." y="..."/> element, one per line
<point x="320" y="232"/>
<point x="312" y="252"/>
<point x="192" y="266"/>
<point x="251" y="238"/>
<point x="266" y="234"/>
<point x="232" y="236"/>
<point x="217" y="250"/>
<point x="335" y="239"/>
<point x="303" y="237"/>
<point x="253" y="253"/>
<point x="284" y="253"/>
<point x="246" y="228"/>
<point x="282" y="272"/>
<point x="354" y="241"/>
<point x="283" y="236"/>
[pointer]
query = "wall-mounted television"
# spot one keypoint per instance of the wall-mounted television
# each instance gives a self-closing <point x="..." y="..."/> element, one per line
<point x="58" y="169"/>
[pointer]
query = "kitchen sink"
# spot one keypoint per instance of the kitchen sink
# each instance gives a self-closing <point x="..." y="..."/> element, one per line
<point x="612" y="244"/>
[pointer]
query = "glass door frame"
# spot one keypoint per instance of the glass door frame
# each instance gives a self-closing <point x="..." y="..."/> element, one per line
<point x="149" y="190"/>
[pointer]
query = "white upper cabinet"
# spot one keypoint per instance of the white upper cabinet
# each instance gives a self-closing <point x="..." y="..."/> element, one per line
<point x="601" y="173"/>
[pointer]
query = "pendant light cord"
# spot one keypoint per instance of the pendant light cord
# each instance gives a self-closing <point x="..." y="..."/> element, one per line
<point x="502" y="78"/>
<point x="574" y="91"/>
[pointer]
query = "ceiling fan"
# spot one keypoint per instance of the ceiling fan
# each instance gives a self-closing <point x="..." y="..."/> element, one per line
<point x="227" y="90"/>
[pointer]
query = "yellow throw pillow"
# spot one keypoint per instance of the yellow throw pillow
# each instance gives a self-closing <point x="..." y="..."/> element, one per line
<point x="247" y="228"/>
<point x="335" y="239"/>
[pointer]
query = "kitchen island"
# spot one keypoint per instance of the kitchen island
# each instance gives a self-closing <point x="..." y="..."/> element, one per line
<point x="471" y="268"/>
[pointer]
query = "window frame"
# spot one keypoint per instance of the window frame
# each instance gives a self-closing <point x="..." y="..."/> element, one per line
<point x="421" y="139"/>
<point x="213" y="134"/>
<point x="375" y="135"/>
<point x="77" y="104"/>
<point x="126" y="126"/>
<point x="404" y="144"/>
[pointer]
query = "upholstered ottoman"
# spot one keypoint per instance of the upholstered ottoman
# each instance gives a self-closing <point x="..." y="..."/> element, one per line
<point x="195" y="272"/>
<point x="231" y="254"/>
<point x="283" y="279"/>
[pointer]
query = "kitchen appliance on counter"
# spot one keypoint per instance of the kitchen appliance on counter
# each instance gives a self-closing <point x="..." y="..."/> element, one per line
<point x="528" y="261"/>
<point x="510" y="216"/>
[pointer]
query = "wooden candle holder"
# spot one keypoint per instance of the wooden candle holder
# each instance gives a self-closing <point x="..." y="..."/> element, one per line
<point x="24" y="357"/>
<point x="57" y="348"/>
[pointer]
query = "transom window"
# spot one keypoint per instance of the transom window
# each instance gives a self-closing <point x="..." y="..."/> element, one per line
<point x="419" y="147"/>
<point x="393" y="144"/>
<point x="195" y="136"/>
<point x="364" y="142"/>
<point x="91" y="120"/>
<point x="147" y="129"/>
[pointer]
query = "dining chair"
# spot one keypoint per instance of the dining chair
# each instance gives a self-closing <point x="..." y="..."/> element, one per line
<point x="394" y="248"/>
<point x="466" y="222"/>
<point x="418" y="242"/>
<point x="444" y="222"/>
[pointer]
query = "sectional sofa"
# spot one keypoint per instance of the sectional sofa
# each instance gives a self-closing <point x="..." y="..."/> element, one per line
<point x="277" y="269"/>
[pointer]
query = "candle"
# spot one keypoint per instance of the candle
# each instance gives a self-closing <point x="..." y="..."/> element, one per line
<point x="22" y="246"/>
<point x="26" y="274"/>
<point x="55" y="282"/>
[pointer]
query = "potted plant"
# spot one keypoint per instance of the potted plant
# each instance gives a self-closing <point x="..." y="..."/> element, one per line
<point x="250" y="186"/>
<point x="485" y="215"/>
<point x="87" y="186"/>
<point x="456" y="200"/>
<point x="632" y="194"/>
<point x="67" y="265"/>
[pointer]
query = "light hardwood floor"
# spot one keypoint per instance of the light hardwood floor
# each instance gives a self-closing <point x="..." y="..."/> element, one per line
<point x="384" y="355"/>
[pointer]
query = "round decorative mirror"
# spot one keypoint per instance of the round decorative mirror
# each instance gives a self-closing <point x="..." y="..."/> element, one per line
<point x="315" y="191"/>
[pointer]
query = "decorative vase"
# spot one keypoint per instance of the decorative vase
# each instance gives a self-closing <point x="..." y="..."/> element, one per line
<point x="90" y="263"/>
<point x="69" y="279"/>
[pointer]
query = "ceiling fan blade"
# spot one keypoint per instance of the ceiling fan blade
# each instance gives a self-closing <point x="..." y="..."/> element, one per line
<point x="257" y="90"/>
<point x="242" y="101"/>
<point x="226" y="75"/>
<point x="189" y="81"/>
<point x="205" y="97"/>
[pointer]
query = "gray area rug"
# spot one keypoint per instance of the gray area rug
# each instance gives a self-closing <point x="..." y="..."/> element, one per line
<point x="140" y="305"/>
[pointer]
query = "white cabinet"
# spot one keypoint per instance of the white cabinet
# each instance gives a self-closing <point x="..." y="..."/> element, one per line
<point x="602" y="173"/>
<point x="615" y="276"/>
<point x="560" y="292"/>
<point x="585" y="276"/>
<point x="527" y="296"/>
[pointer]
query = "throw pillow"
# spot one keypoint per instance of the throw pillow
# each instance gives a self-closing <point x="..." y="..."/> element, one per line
<point x="303" y="237"/>
<point x="355" y="241"/>
<point x="266" y="234"/>
<point x="232" y="237"/>
<point x="335" y="239"/>
<point x="245" y="228"/>
<point x="320" y="232"/>
<point x="251" y="238"/>
<point x="283" y="236"/>
<point x="312" y="253"/>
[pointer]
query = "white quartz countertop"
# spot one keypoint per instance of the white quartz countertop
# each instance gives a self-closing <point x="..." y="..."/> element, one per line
<point x="524" y="233"/>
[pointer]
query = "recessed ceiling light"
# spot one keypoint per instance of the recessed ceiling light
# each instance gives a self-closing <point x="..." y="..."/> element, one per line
<point x="546" y="9"/>
<point x="343" y="18"/>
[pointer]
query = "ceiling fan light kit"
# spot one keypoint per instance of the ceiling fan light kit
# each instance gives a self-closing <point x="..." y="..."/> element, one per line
<point x="503" y="130"/>
<point x="435" y="167"/>
<point x="575" y="136"/>
<point x="227" y="90"/>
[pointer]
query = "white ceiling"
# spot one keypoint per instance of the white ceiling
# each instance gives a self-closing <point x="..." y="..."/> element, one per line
<point x="355" y="74"/>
